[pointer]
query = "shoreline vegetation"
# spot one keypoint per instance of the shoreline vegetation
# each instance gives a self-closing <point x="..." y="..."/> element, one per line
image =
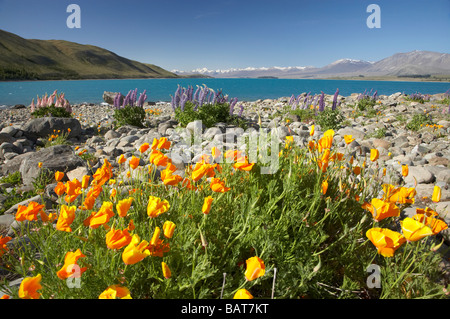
<point x="311" y="196"/>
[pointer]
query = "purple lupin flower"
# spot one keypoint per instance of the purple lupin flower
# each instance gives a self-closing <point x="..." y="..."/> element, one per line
<point x="241" y="109"/>
<point x="126" y="100"/>
<point x="183" y="101"/>
<point x="232" y="104"/>
<point x="142" y="99"/>
<point x="333" y="107"/>
<point x="291" y="101"/>
<point x="322" y="102"/>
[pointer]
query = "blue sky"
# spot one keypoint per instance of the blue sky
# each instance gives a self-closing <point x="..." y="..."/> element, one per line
<point x="188" y="34"/>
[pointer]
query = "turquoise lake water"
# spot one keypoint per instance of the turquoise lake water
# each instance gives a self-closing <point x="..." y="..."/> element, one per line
<point x="91" y="91"/>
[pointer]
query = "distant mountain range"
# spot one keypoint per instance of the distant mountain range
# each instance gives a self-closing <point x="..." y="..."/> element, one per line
<point x="22" y="59"/>
<point x="418" y="64"/>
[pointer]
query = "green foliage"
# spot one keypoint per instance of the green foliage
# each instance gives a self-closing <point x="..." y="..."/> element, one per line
<point x="11" y="74"/>
<point x="305" y="115"/>
<point x="365" y="103"/>
<point x="13" y="178"/>
<point x="419" y="120"/>
<point x="445" y="101"/>
<point x="314" y="238"/>
<point x="209" y="114"/>
<point x="329" y="119"/>
<point x="44" y="178"/>
<point x="57" y="139"/>
<point x="13" y="196"/>
<point x="51" y="111"/>
<point x="129" y="115"/>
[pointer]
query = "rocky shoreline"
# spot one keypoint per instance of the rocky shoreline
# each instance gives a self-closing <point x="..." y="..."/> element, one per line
<point x="426" y="151"/>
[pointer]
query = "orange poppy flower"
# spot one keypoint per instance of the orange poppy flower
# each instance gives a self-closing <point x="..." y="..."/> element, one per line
<point x="166" y="270"/>
<point x="218" y="186"/>
<point x="66" y="218"/>
<point x="123" y="206"/>
<point x="156" y="206"/>
<point x="348" y="139"/>
<point x="134" y="162"/>
<point x="324" y="187"/>
<point x="434" y="223"/>
<point x="29" y="212"/>
<point x="103" y="174"/>
<point x="405" y="170"/>
<point x="115" y="292"/>
<point x="242" y="294"/>
<point x="162" y="143"/>
<point x="158" y="159"/>
<point x="102" y="216"/>
<point x="144" y="147"/>
<point x="85" y="181"/>
<point x="60" y="188"/>
<point x="29" y="287"/>
<point x="71" y="259"/>
<point x="59" y="176"/>
<point x="121" y="159"/>
<point x="170" y="179"/>
<point x="135" y="251"/>
<point x="414" y="230"/>
<point x="326" y="140"/>
<point x="89" y="202"/>
<point x="168" y="229"/>
<point x="374" y="154"/>
<point x="311" y="131"/>
<point x="436" y="194"/>
<point x="116" y="238"/>
<point x="3" y="246"/>
<point x="200" y="170"/>
<point x="402" y="195"/>
<point x="207" y="205"/>
<point x="242" y="164"/>
<point x="255" y="268"/>
<point x="381" y="209"/>
<point x="385" y="240"/>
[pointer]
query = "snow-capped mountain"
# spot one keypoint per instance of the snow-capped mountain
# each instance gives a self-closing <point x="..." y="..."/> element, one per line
<point x="410" y="63"/>
<point x="252" y="72"/>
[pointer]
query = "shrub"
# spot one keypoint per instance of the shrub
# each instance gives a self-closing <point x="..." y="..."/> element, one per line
<point x="329" y="119"/>
<point x="418" y="121"/>
<point x="418" y="97"/>
<point x="206" y="105"/>
<point x="129" y="115"/>
<point x="129" y="110"/>
<point x="55" y="105"/>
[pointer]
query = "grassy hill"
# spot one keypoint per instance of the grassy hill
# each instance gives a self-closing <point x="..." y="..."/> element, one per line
<point x="22" y="59"/>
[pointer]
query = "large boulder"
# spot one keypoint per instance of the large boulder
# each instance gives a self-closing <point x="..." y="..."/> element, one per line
<point x="108" y="97"/>
<point x="45" y="126"/>
<point x="56" y="158"/>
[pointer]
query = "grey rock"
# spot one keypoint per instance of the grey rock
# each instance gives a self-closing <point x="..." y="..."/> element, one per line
<point x="45" y="126"/>
<point x="211" y="132"/>
<point x="420" y="174"/>
<point x="5" y="137"/>
<point x="56" y="158"/>
<point x="10" y="130"/>
<point x="111" y="134"/>
<point x="196" y="127"/>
